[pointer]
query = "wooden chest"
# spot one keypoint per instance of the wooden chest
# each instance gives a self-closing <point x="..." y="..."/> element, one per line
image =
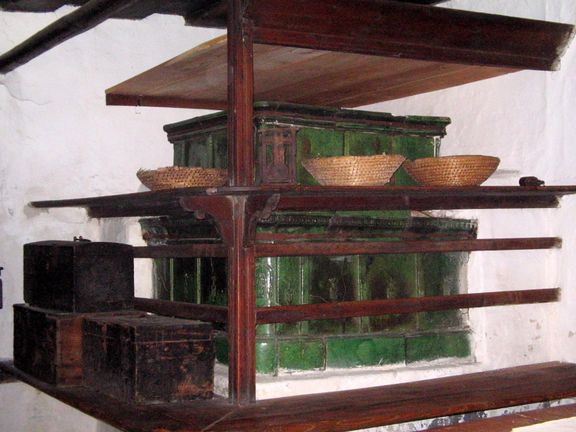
<point x="48" y="344"/>
<point x="149" y="359"/>
<point x="79" y="276"/>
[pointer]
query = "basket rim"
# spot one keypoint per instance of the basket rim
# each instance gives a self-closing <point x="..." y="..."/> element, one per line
<point x="453" y="158"/>
<point x="380" y="156"/>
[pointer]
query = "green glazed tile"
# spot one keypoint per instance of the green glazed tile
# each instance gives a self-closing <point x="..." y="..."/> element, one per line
<point x="411" y="147"/>
<point x="437" y="345"/>
<point x="391" y="276"/>
<point x="266" y="356"/>
<point x="363" y="351"/>
<point x="293" y="289"/>
<point x="312" y="142"/>
<point x="440" y="274"/>
<point x="365" y="144"/>
<point x="331" y="280"/>
<point x="266" y="289"/>
<point x="302" y="354"/>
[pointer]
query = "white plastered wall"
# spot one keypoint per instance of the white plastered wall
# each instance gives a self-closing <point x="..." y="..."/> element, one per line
<point x="59" y="140"/>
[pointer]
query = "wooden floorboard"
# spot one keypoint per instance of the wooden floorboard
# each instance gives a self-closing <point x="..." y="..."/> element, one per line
<point x="331" y="412"/>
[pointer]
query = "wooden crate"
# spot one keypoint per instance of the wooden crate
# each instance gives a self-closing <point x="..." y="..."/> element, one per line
<point x="149" y="359"/>
<point x="48" y="343"/>
<point x="79" y="276"/>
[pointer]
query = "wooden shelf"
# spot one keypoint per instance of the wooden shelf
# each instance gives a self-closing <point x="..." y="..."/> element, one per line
<point x="197" y="78"/>
<point x="330" y="412"/>
<point x="506" y="423"/>
<point x="316" y="198"/>
<point x="334" y="55"/>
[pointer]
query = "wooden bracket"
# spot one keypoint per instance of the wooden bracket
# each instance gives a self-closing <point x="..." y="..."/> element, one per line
<point x="223" y="211"/>
<point x="258" y="208"/>
<point x="220" y="208"/>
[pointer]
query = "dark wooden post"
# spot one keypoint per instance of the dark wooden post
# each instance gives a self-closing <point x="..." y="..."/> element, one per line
<point x="241" y="304"/>
<point x="241" y="310"/>
<point x="240" y="94"/>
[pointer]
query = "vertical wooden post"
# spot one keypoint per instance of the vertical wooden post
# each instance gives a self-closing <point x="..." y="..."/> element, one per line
<point x="241" y="311"/>
<point x="241" y="301"/>
<point x="240" y="94"/>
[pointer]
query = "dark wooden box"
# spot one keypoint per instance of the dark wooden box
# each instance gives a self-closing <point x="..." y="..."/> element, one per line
<point x="149" y="359"/>
<point x="79" y="276"/>
<point x="48" y="343"/>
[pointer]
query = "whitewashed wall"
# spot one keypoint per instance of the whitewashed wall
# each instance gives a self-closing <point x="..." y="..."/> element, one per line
<point x="59" y="140"/>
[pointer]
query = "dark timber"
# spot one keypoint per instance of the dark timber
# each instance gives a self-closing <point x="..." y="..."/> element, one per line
<point x="331" y="412"/>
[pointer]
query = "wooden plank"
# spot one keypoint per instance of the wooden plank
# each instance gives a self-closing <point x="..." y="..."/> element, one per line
<point x="180" y="251"/>
<point x="323" y="197"/>
<point x="197" y="78"/>
<point x="129" y="417"/>
<point x="213" y="14"/>
<point x="506" y="423"/>
<point x="322" y="311"/>
<point x="331" y="412"/>
<point x="411" y="31"/>
<point x="209" y="313"/>
<point x="408" y="246"/>
<point x="358" y="409"/>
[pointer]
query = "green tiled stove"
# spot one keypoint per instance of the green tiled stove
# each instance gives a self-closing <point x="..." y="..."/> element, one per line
<point x="284" y="134"/>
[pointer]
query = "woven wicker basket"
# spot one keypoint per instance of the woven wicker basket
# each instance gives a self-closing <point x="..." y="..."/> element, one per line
<point x="353" y="170"/>
<point x="182" y="177"/>
<point x="469" y="170"/>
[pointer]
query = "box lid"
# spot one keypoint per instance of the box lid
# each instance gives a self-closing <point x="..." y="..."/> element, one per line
<point x="149" y="328"/>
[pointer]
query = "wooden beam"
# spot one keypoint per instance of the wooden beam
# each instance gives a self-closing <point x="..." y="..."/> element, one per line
<point x="176" y="309"/>
<point x="162" y="101"/>
<point x="82" y="19"/>
<point x="408" y="246"/>
<point x="330" y="412"/>
<point x="209" y="13"/>
<point x="324" y="311"/>
<point x="240" y="95"/>
<point x="394" y="29"/>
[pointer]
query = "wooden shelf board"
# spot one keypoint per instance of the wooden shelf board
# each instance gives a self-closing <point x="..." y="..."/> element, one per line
<point x="331" y="412"/>
<point x="303" y="198"/>
<point x="506" y="423"/>
<point x="198" y="77"/>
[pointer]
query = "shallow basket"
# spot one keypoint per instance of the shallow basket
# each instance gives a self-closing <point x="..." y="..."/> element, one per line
<point x="466" y="170"/>
<point x="182" y="177"/>
<point x="353" y="170"/>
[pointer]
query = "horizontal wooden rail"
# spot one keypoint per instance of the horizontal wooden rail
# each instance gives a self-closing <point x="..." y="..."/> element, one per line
<point x="322" y="311"/>
<point x="329" y="412"/>
<point x="413" y="246"/>
<point x="210" y="313"/>
<point x="181" y="251"/>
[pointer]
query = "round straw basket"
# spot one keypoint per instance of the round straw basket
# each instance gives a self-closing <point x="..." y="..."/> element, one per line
<point x="469" y="170"/>
<point x="182" y="177"/>
<point x="353" y="170"/>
